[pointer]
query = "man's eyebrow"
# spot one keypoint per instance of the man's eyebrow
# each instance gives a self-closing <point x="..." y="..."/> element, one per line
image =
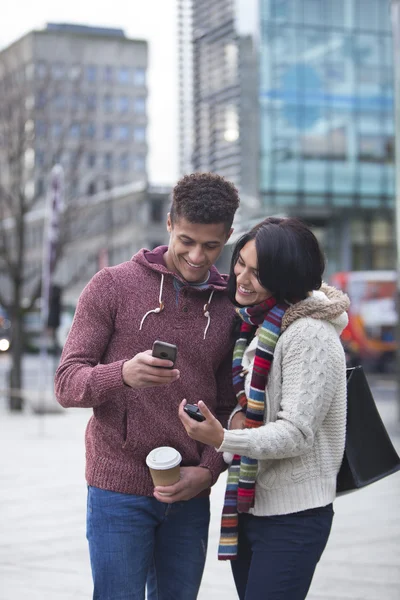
<point x="187" y="237"/>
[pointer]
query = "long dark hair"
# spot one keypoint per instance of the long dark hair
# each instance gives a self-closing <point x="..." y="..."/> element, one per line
<point x="290" y="260"/>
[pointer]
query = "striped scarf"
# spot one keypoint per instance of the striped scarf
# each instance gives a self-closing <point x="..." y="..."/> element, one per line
<point x="240" y="490"/>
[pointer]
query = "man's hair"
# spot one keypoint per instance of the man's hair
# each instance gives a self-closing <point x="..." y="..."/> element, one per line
<point x="204" y="198"/>
<point x="290" y="260"/>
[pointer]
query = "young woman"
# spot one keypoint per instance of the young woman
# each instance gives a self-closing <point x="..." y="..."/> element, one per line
<point x="286" y="437"/>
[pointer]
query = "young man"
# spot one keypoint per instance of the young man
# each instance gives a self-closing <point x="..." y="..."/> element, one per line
<point x="176" y="295"/>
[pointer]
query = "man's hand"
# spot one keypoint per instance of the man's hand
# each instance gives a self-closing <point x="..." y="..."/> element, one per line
<point x="208" y="432"/>
<point x="143" y="370"/>
<point x="193" y="481"/>
<point x="238" y="421"/>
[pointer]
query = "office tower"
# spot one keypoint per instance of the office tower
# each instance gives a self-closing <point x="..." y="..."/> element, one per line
<point x="76" y="95"/>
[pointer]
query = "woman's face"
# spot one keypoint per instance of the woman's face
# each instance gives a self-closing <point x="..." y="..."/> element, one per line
<point x="248" y="289"/>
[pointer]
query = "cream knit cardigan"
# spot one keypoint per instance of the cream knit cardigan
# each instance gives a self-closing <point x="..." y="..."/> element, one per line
<point x="300" y="446"/>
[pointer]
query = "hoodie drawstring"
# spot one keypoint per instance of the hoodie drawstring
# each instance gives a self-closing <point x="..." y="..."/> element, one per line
<point x="160" y="308"/>
<point x="207" y="314"/>
<point x="160" y="301"/>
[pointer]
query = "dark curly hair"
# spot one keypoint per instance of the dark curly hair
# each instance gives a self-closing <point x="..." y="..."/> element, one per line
<point x="204" y="198"/>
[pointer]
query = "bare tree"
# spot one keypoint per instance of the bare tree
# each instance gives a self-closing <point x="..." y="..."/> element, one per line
<point x="42" y="122"/>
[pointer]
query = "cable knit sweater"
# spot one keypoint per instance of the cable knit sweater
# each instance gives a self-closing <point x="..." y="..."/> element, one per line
<point x="300" y="446"/>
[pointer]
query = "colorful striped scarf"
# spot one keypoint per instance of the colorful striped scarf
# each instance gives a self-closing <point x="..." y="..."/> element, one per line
<point x="240" y="490"/>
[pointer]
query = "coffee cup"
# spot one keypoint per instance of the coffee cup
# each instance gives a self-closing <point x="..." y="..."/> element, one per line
<point x="164" y="464"/>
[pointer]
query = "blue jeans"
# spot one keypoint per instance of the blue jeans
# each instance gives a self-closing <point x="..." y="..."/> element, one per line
<point x="131" y="537"/>
<point x="278" y="555"/>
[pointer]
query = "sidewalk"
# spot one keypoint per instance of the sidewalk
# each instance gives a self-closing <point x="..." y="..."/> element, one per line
<point x="43" y="551"/>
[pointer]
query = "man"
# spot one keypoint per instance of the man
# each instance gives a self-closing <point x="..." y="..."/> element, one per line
<point x="176" y="295"/>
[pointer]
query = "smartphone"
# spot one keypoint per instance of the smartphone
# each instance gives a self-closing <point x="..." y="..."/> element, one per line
<point x="165" y="351"/>
<point x="193" y="411"/>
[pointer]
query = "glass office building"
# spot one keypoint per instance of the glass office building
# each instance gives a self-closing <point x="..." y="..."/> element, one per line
<point x="326" y="112"/>
<point x="314" y="113"/>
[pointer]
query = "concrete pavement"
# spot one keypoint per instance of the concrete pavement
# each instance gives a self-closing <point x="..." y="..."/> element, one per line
<point x="43" y="551"/>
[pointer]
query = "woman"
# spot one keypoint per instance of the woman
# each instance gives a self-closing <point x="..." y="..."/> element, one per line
<point x="287" y="433"/>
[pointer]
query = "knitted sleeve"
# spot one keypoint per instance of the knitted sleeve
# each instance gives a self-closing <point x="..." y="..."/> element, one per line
<point x="311" y="367"/>
<point x="80" y="380"/>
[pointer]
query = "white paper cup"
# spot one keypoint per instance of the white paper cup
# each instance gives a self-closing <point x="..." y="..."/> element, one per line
<point x="164" y="464"/>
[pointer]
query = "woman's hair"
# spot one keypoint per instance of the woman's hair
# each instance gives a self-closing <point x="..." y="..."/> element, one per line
<point x="290" y="260"/>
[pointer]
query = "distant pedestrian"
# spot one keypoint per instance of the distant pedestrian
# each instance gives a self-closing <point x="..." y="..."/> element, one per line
<point x="286" y="436"/>
<point x="176" y="295"/>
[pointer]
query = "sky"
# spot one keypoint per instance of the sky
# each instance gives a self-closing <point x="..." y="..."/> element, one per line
<point x="153" y="20"/>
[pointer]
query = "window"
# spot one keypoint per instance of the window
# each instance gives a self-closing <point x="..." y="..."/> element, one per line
<point x="40" y="128"/>
<point x="123" y="132"/>
<point x="123" y="75"/>
<point x="91" y="131"/>
<point x="140" y="105"/>
<point x="108" y="103"/>
<point x="56" y="129"/>
<point x="91" y="189"/>
<point x="29" y="71"/>
<point x="59" y="101"/>
<point x="91" y="160"/>
<point x="139" y="133"/>
<point x="58" y="70"/>
<point x="108" y="161"/>
<point x="124" y="162"/>
<point x="108" y="131"/>
<point x="91" y="73"/>
<point x="74" y="72"/>
<point x="41" y="70"/>
<point x="91" y="102"/>
<point x="139" y="164"/>
<point x="376" y="148"/>
<point x="40" y="187"/>
<point x="108" y="74"/>
<point x="39" y="158"/>
<point x="123" y="104"/>
<point x="139" y="77"/>
<point x="75" y="130"/>
<point x="76" y="102"/>
<point x="40" y="99"/>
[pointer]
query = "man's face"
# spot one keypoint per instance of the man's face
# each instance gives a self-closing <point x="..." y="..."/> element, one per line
<point x="194" y="247"/>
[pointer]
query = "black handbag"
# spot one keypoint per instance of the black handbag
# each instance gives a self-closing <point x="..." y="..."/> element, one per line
<point x="369" y="454"/>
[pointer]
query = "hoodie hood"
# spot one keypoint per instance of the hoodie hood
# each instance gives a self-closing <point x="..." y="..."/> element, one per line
<point x="327" y="303"/>
<point x="154" y="259"/>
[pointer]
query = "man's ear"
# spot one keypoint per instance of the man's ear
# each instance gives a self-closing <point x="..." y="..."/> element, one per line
<point x="169" y="223"/>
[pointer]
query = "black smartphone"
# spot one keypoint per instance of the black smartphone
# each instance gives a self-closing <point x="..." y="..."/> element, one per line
<point x="165" y="351"/>
<point x="193" y="411"/>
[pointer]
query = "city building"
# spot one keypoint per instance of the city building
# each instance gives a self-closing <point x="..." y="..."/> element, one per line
<point x="95" y="232"/>
<point x="75" y="95"/>
<point x="293" y="101"/>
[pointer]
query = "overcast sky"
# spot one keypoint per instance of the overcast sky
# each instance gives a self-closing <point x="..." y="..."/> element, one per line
<point x="153" y="20"/>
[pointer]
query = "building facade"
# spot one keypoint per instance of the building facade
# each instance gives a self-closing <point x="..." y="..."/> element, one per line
<point x="302" y="118"/>
<point x="96" y="232"/>
<point x="77" y="95"/>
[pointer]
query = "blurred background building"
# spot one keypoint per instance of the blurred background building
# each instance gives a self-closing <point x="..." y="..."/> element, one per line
<point x="80" y="92"/>
<point x="293" y="100"/>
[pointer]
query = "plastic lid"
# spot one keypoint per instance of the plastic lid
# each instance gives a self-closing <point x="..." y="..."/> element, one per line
<point x="163" y="458"/>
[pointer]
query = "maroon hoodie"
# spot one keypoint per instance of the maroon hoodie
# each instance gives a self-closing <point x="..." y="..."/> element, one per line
<point x="115" y="320"/>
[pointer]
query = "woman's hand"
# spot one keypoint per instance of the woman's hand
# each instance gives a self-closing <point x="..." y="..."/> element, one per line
<point x="208" y="432"/>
